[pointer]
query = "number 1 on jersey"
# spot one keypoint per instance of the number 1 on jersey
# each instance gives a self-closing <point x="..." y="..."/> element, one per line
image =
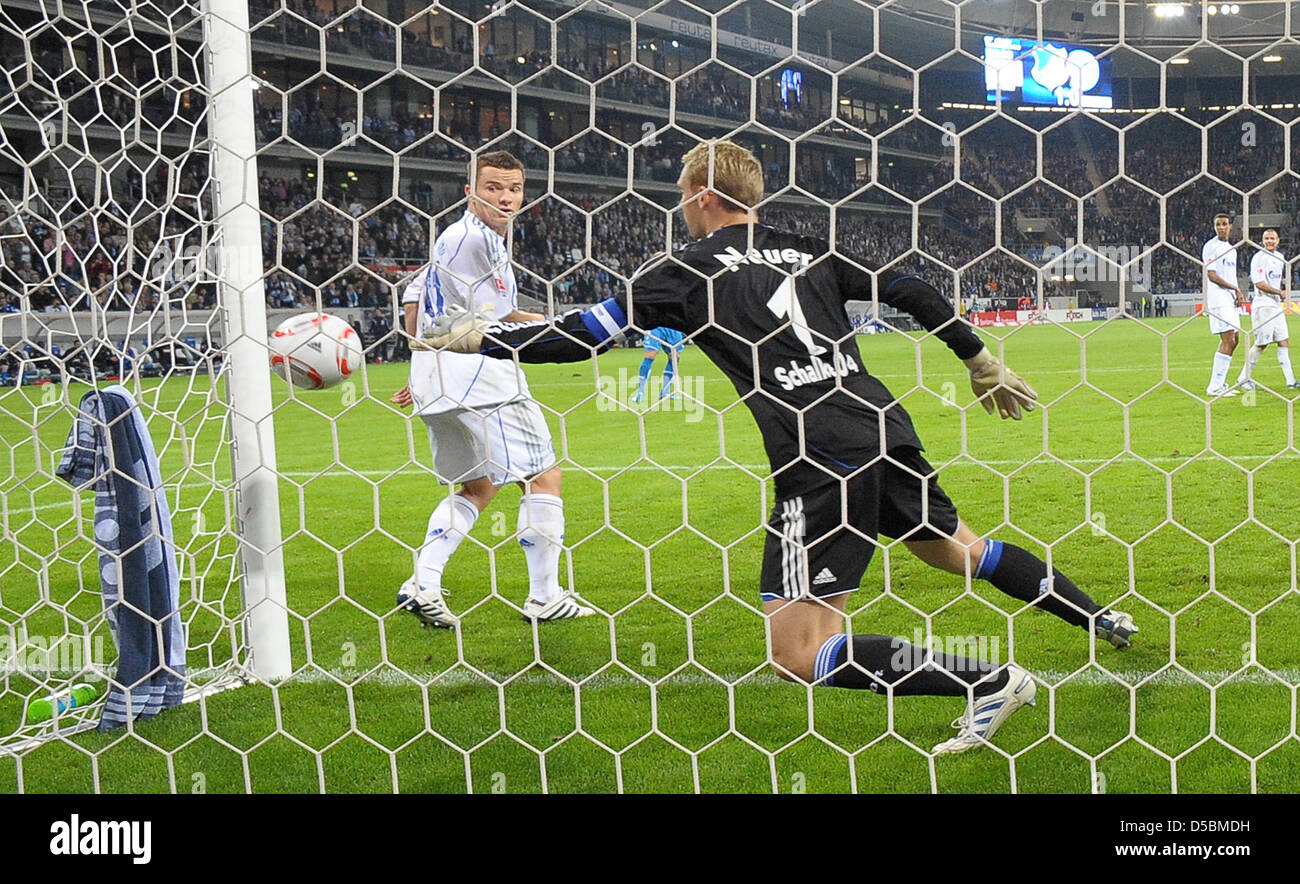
<point x="785" y="304"/>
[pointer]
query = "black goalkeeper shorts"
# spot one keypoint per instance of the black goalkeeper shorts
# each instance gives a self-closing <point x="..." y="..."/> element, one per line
<point x="819" y="542"/>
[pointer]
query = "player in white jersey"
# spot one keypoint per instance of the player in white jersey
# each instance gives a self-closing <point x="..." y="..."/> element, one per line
<point x="1268" y="275"/>
<point x="1222" y="298"/>
<point x="484" y="428"/>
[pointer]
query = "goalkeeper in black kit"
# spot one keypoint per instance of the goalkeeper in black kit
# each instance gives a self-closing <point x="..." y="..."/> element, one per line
<point x="769" y="309"/>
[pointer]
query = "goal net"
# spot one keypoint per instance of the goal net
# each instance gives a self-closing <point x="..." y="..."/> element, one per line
<point x="175" y="181"/>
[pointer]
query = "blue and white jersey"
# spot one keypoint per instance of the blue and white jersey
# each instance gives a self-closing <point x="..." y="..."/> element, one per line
<point x="1269" y="268"/>
<point x="471" y="269"/>
<point x="657" y="338"/>
<point x="1221" y="257"/>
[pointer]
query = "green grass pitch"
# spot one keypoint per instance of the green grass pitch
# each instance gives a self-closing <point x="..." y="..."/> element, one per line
<point x="1183" y="513"/>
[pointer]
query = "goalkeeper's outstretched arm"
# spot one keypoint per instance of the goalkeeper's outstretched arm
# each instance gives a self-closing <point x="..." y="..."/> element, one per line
<point x="932" y="310"/>
<point x="571" y="337"/>
<point x="996" y="386"/>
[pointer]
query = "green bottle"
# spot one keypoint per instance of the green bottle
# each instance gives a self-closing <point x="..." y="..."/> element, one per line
<point x="78" y="695"/>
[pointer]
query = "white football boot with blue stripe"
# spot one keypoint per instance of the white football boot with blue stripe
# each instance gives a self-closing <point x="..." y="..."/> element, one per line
<point x="986" y="714"/>
<point x="426" y="604"/>
<point x="565" y="607"/>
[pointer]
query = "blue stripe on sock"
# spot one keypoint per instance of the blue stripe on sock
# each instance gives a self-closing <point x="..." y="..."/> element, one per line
<point x="989" y="559"/>
<point x="826" y="657"/>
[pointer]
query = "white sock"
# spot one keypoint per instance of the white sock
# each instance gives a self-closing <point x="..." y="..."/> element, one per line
<point x="1284" y="360"/>
<point x="541" y="534"/>
<point x="448" y="525"/>
<point x="1222" y="362"/>
<point x="1252" y="359"/>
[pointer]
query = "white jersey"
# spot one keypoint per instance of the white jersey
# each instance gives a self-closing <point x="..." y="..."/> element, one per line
<point x="470" y="269"/>
<point x="1221" y="257"/>
<point x="1270" y="268"/>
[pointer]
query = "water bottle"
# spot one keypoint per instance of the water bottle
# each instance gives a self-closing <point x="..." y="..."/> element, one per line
<point x="78" y="695"/>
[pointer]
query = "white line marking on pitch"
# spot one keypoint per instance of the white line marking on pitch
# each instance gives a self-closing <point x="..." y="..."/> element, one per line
<point x="461" y="677"/>
<point x="961" y="462"/>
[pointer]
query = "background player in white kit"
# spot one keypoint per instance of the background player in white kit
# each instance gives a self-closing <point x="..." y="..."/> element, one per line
<point x="1268" y="275"/>
<point x="484" y="428"/>
<point x="1222" y="298"/>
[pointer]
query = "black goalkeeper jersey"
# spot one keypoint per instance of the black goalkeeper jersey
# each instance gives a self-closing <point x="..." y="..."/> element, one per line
<point x="771" y="314"/>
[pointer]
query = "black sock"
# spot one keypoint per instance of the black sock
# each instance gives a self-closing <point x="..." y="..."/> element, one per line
<point x="880" y="661"/>
<point x="1023" y="575"/>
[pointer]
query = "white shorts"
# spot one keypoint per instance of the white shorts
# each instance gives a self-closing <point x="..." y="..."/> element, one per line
<point x="1268" y="323"/>
<point x="1223" y="314"/>
<point x="507" y="443"/>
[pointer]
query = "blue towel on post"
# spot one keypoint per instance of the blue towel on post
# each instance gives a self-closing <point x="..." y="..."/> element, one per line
<point x="109" y="446"/>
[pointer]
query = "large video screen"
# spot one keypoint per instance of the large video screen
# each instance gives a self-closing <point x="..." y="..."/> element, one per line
<point x="791" y="87"/>
<point x="1045" y="73"/>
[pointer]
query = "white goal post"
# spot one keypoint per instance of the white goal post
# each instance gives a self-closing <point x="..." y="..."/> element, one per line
<point x="243" y="304"/>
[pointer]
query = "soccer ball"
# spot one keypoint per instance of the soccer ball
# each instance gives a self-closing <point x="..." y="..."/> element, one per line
<point x="315" y="350"/>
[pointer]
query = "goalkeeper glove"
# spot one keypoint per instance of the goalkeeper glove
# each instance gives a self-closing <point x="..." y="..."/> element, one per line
<point x="994" y="383"/>
<point x="457" y="329"/>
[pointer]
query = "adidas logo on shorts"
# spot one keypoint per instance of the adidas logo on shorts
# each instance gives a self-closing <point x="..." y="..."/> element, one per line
<point x="824" y="576"/>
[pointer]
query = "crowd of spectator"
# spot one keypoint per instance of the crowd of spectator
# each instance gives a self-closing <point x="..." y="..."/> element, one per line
<point x="309" y="245"/>
<point x="712" y="91"/>
<point x="324" y="245"/>
<point x="1128" y="219"/>
<point x="1159" y="153"/>
<point x="1286" y="195"/>
<point x="118" y="248"/>
<point x="886" y="239"/>
<point x="310" y="239"/>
